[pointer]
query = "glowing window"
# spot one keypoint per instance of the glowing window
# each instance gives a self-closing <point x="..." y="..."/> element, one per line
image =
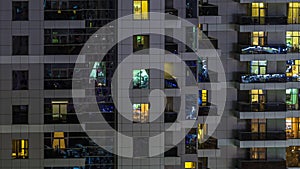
<point x="202" y="132"/>
<point x="59" y="110"/>
<point x="140" y="9"/>
<point x="59" y="140"/>
<point x="293" y="13"/>
<point x="20" y="149"/>
<point x="140" y="113"/>
<point x="258" y="38"/>
<point x="257" y="96"/>
<point x="98" y="73"/>
<point x="292" y="41"/>
<point x="258" y="67"/>
<point x="258" y="153"/>
<point x="190" y="165"/>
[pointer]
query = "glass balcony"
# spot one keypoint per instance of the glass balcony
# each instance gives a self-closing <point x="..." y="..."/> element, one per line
<point x="262" y="164"/>
<point x="269" y="135"/>
<point x="266" y="78"/>
<point x="210" y="143"/>
<point x="265" y="107"/>
<point x="267" y="49"/>
<point x="208" y="10"/>
<point x="268" y="20"/>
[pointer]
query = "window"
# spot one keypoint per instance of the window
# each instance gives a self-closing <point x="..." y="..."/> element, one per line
<point x="98" y="73"/>
<point x="20" y="45"/>
<point x="191" y="8"/>
<point x="19" y="11"/>
<point x="258" y="125"/>
<point x="190" y="165"/>
<point x="293" y="69"/>
<point x="140" y="79"/>
<point x="259" y="38"/>
<point x="258" y="11"/>
<point x="20" y="80"/>
<point x="202" y="100"/>
<point x="292" y="128"/>
<point x="190" y="107"/>
<point x="59" y="141"/>
<point x="140" y="9"/>
<point x="202" y="132"/>
<point x="257" y="96"/>
<point x="58" y="76"/>
<point x="140" y="113"/>
<point x="293" y="13"/>
<point x="202" y="71"/>
<point x="20" y="149"/>
<point x="20" y="114"/>
<point x="292" y="41"/>
<point x="292" y="99"/>
<point x="59" y="110"/>
<point x="258" y="67"/>
<point x="141" y="42"/>
<point x="170" y="79"/>
<point x="191" y="142"/>
<point x="258" y="153"/>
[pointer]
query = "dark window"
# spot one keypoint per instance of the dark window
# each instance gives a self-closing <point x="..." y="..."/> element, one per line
<point x="20" y="45"/>
<point x="20" y="80"/>
<point x="20" y="11"/>
<point x="58" y="76"/>
<point x="191" y="8"/>
<point x="141" y="42"/>
<point x="20" y="114"/>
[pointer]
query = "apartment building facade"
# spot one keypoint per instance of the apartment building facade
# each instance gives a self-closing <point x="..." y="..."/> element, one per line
<point x="257" y="43"/>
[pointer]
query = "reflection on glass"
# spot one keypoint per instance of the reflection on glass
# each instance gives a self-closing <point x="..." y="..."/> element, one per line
<point x="98" y="73"/>
<point x="140" y="79"/>
<point x="140" y="113"/>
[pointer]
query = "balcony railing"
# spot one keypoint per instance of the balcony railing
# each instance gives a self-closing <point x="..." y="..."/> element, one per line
<point x="210" y="143"/>
<point x="267" y="20"/>
<point x="208" y="43"/>
<point x="269" y="135"/>
<point x="265" y="107"/>
<point x="171" y="47"/>
<point x="262" y="164"/>
<point x="170" y="117"/>
<point x="267" y="49"/>
<point x="268" y="78"/>
<point x="208" y="10"/>
<point x="209" y="109"/>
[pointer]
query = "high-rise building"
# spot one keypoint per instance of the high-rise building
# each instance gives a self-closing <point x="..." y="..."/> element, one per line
<point x="40" y="92"/>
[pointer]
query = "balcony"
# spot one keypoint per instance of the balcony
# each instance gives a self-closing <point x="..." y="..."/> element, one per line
<point x="207" y="109"/>
<point x="267" y="49"/>
<point x="272" y="52"/>
<point x="170" y="116"/>
<point x="266" y="78"/>
<point x="173" y="12"/>
<point x="255" y="136"/>
<point x="268" y="20"/>
<point x="210" y="143"/>
<point x="262" y="164"/>
<point x="208" y="10"/>
<point x="171" y="47"/>
<point x="265" y="107"/>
